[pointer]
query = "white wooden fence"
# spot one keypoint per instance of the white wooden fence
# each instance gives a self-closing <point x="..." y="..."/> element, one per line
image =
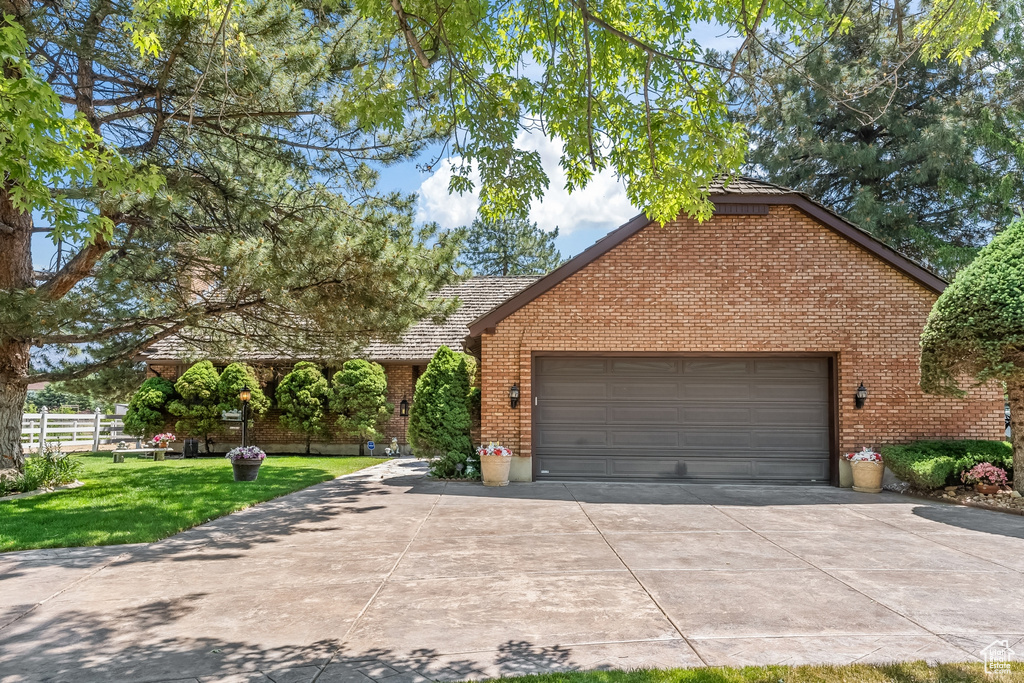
<point x="77" y="429"/>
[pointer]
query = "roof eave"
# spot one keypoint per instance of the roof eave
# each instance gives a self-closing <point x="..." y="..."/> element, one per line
<point x="487" y="322"/>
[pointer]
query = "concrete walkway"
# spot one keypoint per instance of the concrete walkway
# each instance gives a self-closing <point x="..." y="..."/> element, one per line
<point x="386" y="576"/>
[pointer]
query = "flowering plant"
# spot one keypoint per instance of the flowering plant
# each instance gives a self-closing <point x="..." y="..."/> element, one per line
<point x="984" y="473"/>
<point x="864" y="455"/>
<point x="160" y="438"/>
<point x="494" y="449"/>
<point x="245" y="453"/>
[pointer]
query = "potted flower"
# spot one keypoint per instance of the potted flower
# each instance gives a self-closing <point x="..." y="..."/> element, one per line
<point x="986" y="477"/>
<point x="867" y="469"/>
<point x="495" y="462"/>
<point x="245" y="462"/>
<point x="161" y="441"/>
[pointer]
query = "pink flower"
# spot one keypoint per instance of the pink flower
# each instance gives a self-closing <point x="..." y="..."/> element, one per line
<point x="984" y="473"/>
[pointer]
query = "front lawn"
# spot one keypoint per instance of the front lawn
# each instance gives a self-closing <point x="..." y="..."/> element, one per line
<point x="910" y="672"/>
<point x="144" y="500"/>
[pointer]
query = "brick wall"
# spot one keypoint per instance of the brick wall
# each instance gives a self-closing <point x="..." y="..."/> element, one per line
<point x="271" y="435"/>
<point x="743" y="284"/>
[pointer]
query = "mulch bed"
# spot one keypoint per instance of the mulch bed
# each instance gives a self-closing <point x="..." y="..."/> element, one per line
<point x="1004" y="501"/>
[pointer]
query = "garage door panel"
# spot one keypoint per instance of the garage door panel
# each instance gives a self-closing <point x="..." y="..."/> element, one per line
<point x="702" y="419"/>
<point x="561" y="436"/>
<point x="569" y="413"/>
<point x="643" y="366"/>
<point x="721" y="439"/>
<point x="791" y="439"/>
<point x="647" y="390"/>
<point x="716" y="367"/>
<point x="650" y="414"/>
<point x="648" y="438"/>
<point x="719" y="391"/>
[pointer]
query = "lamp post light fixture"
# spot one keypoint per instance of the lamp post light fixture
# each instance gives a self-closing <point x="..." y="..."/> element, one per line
<point x="860" y="396"/>
<point x="513" y="395"/>
<point x="403" y="408"/>
<point x="245" y="396"/>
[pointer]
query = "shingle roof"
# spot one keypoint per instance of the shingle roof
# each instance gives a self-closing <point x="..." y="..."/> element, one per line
<point x="746" y="185"/>
<point x="477" y="296"/>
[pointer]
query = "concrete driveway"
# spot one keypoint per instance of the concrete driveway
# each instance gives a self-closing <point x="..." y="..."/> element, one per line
<point x="387" y="576"/>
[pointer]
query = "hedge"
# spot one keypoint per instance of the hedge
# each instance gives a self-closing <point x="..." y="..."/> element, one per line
<point x="933" y="464"/>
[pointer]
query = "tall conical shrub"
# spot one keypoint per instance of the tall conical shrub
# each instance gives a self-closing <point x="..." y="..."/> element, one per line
<point x="439" y="420"/>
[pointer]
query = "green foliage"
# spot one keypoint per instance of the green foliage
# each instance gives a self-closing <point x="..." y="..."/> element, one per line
<point x="510" y="246"/>
<point x="54" y="395"/>
<point x="439" y="419"/>
<point x="977" y="325"/>
<point x="197" y="405"/>
<point x="232" y="379"/>
<point x="933" y="464"/>
<point x="109" y="385"/>
<point x="455" y="465"/>
<point x="303" y="396"/>
<point x="624" y="85"/>
<point x="146" y="414"/>
<point x="918" y="160"/>
<point x="359" y="397"/>
<point x="50" y="468"/>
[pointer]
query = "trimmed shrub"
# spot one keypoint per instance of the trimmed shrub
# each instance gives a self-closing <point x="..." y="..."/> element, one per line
<point x="360" y="398"/>
<point x="933" y="464"/>
<point x="198" y="405"/>
<point x="439" y="420"/>
<point x="303" y="395"/>
<point x="455" y="465"/>
<point x="232" y="379"/>
<point x="146" y="411"/>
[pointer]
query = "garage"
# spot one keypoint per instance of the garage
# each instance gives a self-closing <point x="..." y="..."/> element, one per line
<point x="682" y="418"/>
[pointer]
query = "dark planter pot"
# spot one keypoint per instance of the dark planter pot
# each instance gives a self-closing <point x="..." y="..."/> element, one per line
<point x="246" y="470"/>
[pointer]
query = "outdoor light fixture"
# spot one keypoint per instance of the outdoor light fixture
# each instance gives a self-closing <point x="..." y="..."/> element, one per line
<point x="860" y="396"/>
<point x="403" y="408"/>
<point x="513" y="395"/>
<point x="244" y="395"/>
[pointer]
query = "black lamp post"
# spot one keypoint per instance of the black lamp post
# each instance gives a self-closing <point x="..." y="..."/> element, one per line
<point x="860" y="396"/>
<point x="513" y="395"/>
<point x="244" y="395"/>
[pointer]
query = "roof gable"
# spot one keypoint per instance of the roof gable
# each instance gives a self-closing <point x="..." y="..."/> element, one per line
<point x="744" y="196"/>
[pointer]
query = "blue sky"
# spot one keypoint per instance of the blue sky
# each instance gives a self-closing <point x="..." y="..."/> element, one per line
<point x="582" y="217"/>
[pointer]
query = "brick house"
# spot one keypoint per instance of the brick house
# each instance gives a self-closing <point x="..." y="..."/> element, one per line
<point x="402" y="364"/>
<point x="729" y="350"/>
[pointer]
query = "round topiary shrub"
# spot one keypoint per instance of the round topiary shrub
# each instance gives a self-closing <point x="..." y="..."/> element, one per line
<point x="146" y="410"/>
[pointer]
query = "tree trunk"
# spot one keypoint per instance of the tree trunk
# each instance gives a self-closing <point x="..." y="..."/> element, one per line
<point x="1015" y="390"/>
<point x="15" y="274"/>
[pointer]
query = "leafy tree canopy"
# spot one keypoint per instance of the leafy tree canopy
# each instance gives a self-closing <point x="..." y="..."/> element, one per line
<point x="439" y="419"/>
<point x="303" y="396"/>
<point x="976" y="330"/>
<point x="926" y="158"/>
<point x="359" y="397"/>
<point x="197" y="405"/>
<point x="146" y="416"/>
<point x="510" y="246"/>
<point x="232" y="379"/>
<point x="623" y="84"/>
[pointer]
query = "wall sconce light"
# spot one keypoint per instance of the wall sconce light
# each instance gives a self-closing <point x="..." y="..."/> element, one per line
<point x="513" y="395"/>
<point x="403" y="408"/>
<point x="860" y="396"/>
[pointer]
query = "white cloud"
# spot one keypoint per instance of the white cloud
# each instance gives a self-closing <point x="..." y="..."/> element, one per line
<point x="599" y="207"/>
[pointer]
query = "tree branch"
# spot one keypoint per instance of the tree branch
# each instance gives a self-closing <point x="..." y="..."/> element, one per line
<point x="75" y="270"/>
<point x="410" y="37"/>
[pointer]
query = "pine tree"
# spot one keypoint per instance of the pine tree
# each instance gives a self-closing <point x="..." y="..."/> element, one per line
<point x="303" y="395"/>
<point x="146" y="415"/>
<point x="439" y="419"/>
<point x="359" y="397"/>
<point x="510" y="246"/>
<point x="197" y="405"/>
<point x="912" y="158"/>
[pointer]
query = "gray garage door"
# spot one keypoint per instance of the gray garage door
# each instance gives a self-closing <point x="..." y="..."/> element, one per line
<point x="714" y="419"/>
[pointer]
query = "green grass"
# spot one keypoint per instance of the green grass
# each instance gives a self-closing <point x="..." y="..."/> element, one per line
<point x="910" y="672"/>
<point x="142" y="500"/>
